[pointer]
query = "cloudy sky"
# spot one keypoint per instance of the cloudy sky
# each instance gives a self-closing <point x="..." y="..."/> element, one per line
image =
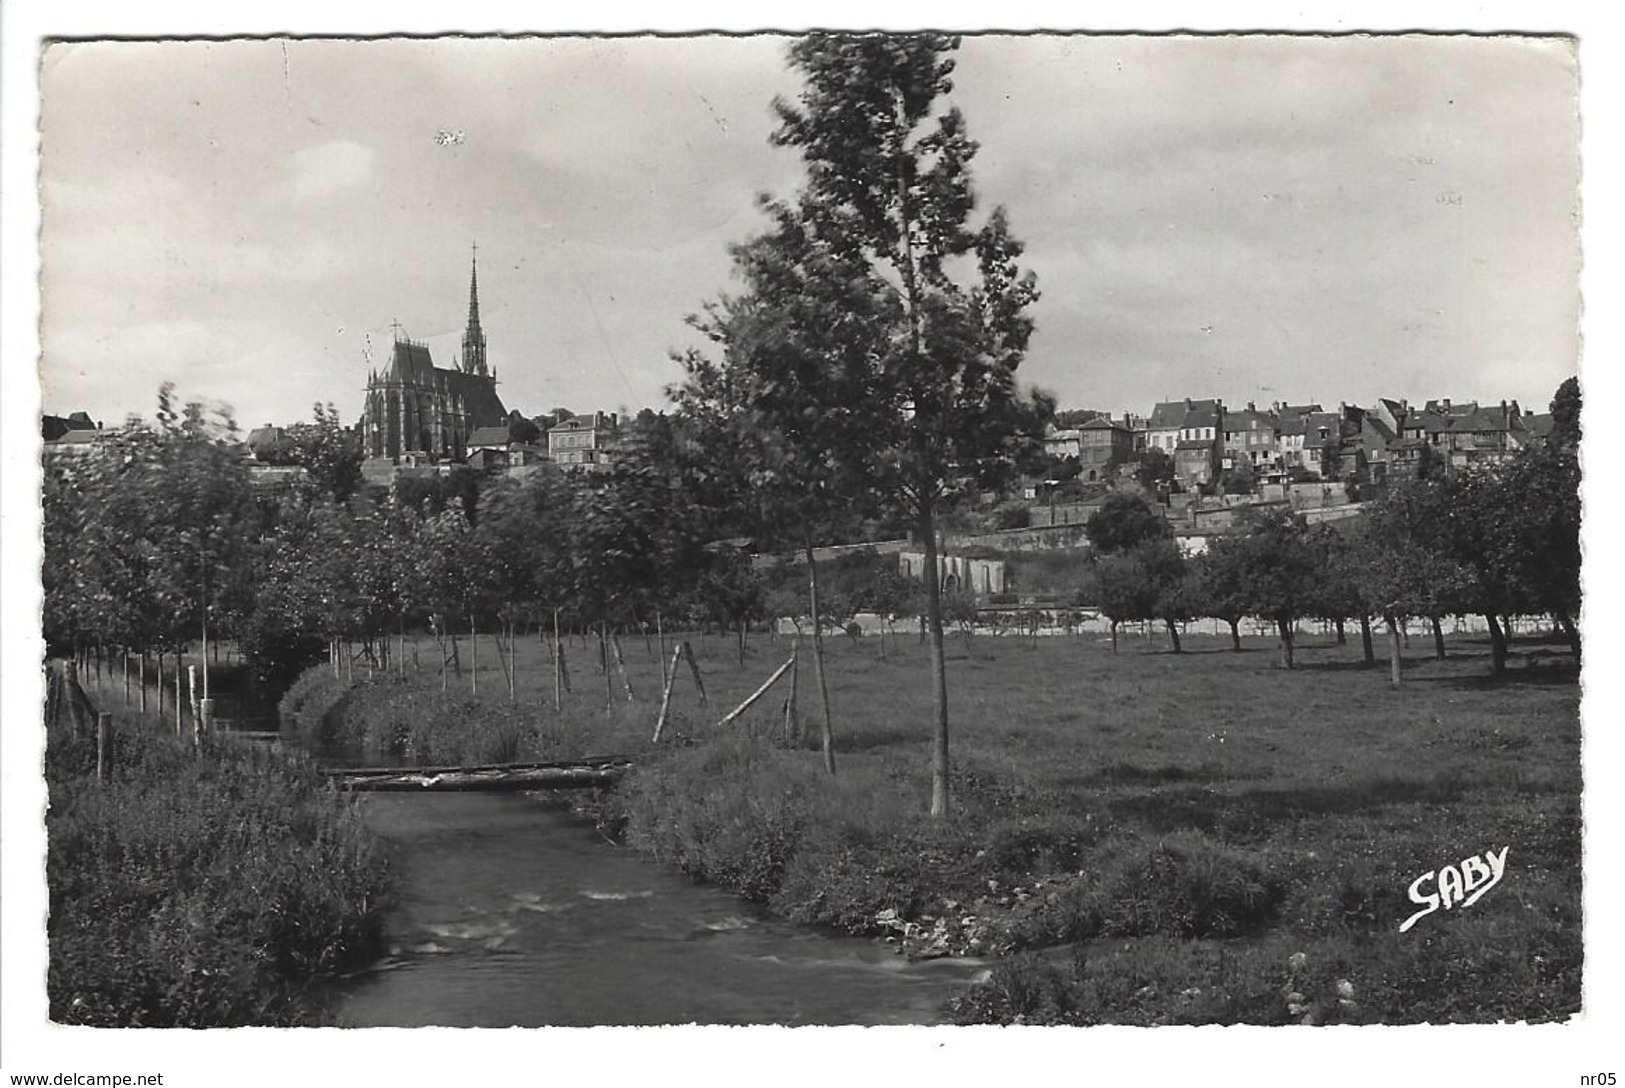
<point x="1255" y="218"/>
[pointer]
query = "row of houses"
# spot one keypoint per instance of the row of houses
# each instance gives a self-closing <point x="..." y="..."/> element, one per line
<point x="585" y="443"/>
<point x="1206" y="440"/>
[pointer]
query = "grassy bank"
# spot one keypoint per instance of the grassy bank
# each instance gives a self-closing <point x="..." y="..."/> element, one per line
<point x="1142" y="837"/>
<point x="206" y="890"/>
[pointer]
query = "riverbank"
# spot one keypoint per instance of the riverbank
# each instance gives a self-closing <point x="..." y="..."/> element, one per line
<point x="1142" y="837"/>
<point x="209" y="889"/>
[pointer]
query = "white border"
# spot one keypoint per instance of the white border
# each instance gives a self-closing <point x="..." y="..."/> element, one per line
<point x="1481" y="1055"/>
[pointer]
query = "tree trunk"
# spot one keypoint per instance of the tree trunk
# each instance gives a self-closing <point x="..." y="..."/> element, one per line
<point x="1571" y="631"/>
<point x="939" y="673"/>
<point x="1370" y="657"/>
<point x="1235" y="635"/>
<point x="792" y="720"/>
<point x="603" y="656"/>
<point x="141" y="677"/>
<point x="1393" y="649"/>
<point x="828" y="735"/>
<point x="1114" y="636"/>
<point x="1173" y="633"/>
<point x="1438" y="638"/>
<point x="1498" y="645"/>
<point x="741" y="627"/>
<point x="1285" y="627"/>
<point x="1342" y="637"/>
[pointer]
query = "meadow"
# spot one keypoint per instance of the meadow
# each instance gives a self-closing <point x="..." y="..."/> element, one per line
<point x="1141" y="837"/>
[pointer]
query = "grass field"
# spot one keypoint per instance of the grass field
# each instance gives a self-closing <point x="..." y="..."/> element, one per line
<point x="1141" y="837"/>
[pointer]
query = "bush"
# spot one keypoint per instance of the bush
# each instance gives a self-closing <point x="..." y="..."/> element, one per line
<point x="201" y="890"/>
<point x="1011" y="515"/>
<point x="1187" y="886"/>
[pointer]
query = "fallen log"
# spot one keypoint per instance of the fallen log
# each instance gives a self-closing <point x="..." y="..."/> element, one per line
<point x="577" y="774"/>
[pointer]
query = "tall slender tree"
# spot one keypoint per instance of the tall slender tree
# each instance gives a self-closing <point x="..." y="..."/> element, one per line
<point x="913" y="321"/>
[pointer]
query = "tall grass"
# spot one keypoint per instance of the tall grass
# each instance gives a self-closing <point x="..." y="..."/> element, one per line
<point x="201" y="890"/>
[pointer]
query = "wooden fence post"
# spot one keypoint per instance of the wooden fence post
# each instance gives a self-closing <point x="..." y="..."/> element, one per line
<point x="665" y="693"/>
<point x="558" y="665"/>
<point x="694" y="667"/>
<point x="620" y="665"/>
<point x="104" y="755"/>
<point x="660" y="632"/>
<point x="759" y="692"/>
<point x="792" y="723"/>
<point x="192" y="698"/>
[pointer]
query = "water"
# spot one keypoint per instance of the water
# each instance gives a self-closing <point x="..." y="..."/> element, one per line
<point x="510" y="913"/>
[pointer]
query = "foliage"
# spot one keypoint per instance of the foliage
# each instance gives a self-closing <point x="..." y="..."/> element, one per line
<point x="1011" y="515"/>
<point x="200" y="891"/>
<point x="329" y="452"/>
<point x="1156" y="470"/>
<point x="1124" y="521"/>
<point x="1278" y="572"/>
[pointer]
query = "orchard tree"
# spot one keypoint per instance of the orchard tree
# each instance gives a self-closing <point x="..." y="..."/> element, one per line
<point x="890" y="327"/>
<point x="1278" y="571"/>
<point x="1124" y="521"/>
<point x="1217" y="580"/>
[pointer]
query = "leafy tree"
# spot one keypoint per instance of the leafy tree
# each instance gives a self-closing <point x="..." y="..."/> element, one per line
<point x="1124" y="521"/>
<point x="1218" y="584"/>
<point x="864" y="358"/>
<point x="329" y="452"/>
<point x="1174" y="598"/>
<point x="523" y="430"/>
<point x="1124" y="590"/>
<point x="1240" y="480"/>
<point x="1565" y="409"/>
<point x="1278" y="572"/>
<point x="1156" y="470"/>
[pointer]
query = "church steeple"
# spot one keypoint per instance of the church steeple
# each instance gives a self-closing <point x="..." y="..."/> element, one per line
<point x="474" y="336"/>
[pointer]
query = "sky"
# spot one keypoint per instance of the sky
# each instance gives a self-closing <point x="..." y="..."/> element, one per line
<point x="1257" y="218"/>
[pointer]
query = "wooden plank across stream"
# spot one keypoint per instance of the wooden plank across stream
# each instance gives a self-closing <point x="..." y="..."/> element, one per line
<point x="596" y="771"/>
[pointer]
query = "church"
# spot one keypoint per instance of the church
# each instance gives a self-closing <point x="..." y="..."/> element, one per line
<point x="416" y="413"/>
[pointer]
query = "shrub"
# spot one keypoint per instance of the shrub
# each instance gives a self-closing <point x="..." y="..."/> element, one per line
<point x="201" y="890"/>
<point x="1188" y="886"/>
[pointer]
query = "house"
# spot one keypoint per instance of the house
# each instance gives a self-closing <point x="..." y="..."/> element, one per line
<point x="488" y="448"/>
<point x="1103" y="445"/>
<point x="1063" y="442"/>
<point x="1249" y="436"/>
<point x="1196" y="461"/>
<point x="54" y="427"/>
<point x="1173" y="422"/>
<point x="1485" y="434"/>
<point x="75" y="443"/>
<point x="1376" y="438"/>
<point x="584" y="443"/>
<point x="1290" y="437"/>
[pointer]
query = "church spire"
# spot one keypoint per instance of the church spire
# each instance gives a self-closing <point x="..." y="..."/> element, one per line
<point x="474" y="336"/>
